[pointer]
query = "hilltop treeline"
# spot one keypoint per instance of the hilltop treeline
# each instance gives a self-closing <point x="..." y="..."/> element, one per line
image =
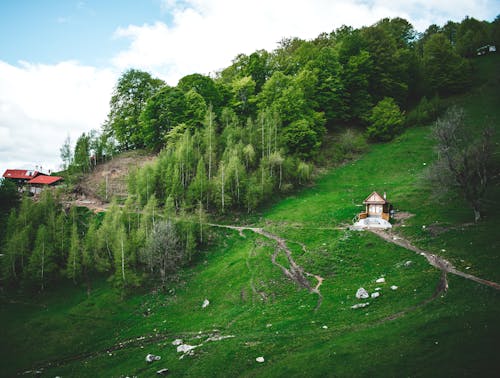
<point x="255" y="128"/>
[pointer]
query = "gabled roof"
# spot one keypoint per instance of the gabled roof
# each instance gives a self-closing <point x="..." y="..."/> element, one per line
<point x="45" y="180"/>
<point x="20" y="174"/>
<point x="374" y="199"/>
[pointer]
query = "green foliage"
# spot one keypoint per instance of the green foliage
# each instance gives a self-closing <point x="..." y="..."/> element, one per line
<point x="162" y="112"/>
<point x="351" y="143"/>
<point x="129" y="98"/>
<point x="386" y="120"/>
<point x="444" y="70"/>
<point x="425" y="112"/>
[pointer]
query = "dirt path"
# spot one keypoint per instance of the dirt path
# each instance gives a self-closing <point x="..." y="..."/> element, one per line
<point x="295" y="272"/>
<point x="434" y="260"/>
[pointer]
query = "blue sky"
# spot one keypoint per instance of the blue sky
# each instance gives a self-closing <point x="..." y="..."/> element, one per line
<point x="59" y="60"/>
<point x="51" y="31"/>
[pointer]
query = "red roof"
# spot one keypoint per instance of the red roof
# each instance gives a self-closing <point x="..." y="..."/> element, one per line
<point x="45" y="180"/>
<point x="375" y="199"/>
<point x="20" y="174"/>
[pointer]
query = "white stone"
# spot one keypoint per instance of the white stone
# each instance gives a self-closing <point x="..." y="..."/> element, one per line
<point x="380" y="280"/>
<point x="260" y="359"/>
<point x="408" y="263"/>
<point x="362" y="293"/>
<point x="394" y="287"/>
<point x="184" y="348"/>
<point x="325" y="327"/>
<point x="378" y="289"/>
<point x="177" y="342"/>
<point x="360" y="305"/>
<point x="205" y="304"/>
<point x="375" y="295"/>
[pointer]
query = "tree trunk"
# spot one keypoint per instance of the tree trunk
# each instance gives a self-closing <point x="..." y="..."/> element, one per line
<point x="477" y="214"/>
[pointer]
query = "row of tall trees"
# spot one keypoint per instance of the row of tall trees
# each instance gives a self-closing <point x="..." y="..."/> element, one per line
<point x="44" y="242"/>
<point x="333" y="80"/>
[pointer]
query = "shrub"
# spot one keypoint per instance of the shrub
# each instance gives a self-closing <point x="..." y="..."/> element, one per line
<point x="385" y="120"/>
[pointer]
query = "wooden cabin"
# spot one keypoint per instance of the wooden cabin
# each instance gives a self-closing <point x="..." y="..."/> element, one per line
<point x="376" y="206"/>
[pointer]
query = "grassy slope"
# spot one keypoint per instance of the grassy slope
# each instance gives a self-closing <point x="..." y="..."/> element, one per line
<point x="455" y="335"/>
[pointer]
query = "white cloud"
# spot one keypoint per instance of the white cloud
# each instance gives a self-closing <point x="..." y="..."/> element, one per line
<point x="205" y="35"/>
<point x="40" y="105"/>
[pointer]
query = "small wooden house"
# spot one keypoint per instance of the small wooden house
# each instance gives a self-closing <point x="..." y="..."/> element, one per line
<point x="376" y="206"/>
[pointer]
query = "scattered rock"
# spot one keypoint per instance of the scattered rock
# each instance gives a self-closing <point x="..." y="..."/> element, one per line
<point x="375" y="295"/>
<point x="260" y="359"/>
<point x="205" y="304"/>
<point x="163" y="371"/>
<point x="360" y="305"/>
<point x="219" y="338"/>
<point x="177" y="342"/>
<point x="185" y="348"/>
<point x="394" y="287"/>
<point x="380" y="280"/>
<point x="362" y="293"/>
<point x="151" y="357"/>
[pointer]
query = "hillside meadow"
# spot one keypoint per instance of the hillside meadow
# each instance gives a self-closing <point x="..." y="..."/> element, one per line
<point x="255" y="311"/>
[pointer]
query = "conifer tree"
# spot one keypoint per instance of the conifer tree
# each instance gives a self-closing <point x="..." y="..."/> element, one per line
<point x="74" y="262"/>
<point x="41" y="263"/>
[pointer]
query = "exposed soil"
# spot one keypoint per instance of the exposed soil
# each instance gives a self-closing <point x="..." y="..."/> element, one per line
<point x="295" y="272"/>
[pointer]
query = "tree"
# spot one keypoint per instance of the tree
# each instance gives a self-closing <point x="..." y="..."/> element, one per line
<point x="65" y="153"/>
<point x="463" y="161"/>
<point x="74" y="262"/>
<point x="81" y="160"/>
<point x="163" y="253"/>
<point x="163" y="111"/>
<point x="129" y="97"/>
<point x="41" y="264"/>
<point x="444" y="70"/>
<point x="385" y="121"/>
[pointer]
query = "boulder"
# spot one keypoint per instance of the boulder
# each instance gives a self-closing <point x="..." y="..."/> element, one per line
<point x="375" y="295"/>
<point x="360" y="305"/>
<point x="177" y="342"/>
<point x="362" y="293"/>
<point x="205" y="304"/>
<point x="394" y="287"/>
<point x="163" y="371"/>
<point x="380" y="280"/>
<point x="260" y="359"/>
<point x="185" y="348"/>
<point x="151" y="357"/>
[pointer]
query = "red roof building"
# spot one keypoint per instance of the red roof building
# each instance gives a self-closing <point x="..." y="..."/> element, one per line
<point x="20" y="174"/>
<point x="45" y="180"/>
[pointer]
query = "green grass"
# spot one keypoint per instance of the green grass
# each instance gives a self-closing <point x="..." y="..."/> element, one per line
<point x="457" y="334"/>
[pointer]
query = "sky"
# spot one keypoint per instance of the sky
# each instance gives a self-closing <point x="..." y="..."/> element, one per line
<point x="60" y="59"/>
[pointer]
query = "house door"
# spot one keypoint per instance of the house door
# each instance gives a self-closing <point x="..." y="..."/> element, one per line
<point x="375" y="210"/>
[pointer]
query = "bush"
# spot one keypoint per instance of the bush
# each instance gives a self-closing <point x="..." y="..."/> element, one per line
<point x="386" y="120"/>
<point x="426" y="112"/>
<point x="351" y="143"/>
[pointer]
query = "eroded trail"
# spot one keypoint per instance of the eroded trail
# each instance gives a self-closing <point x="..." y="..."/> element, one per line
<point x="295" y="272"/>
<point x="433" y="259"/>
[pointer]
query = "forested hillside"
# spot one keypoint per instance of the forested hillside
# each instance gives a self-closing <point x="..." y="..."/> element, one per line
<point x="228" y="143"/>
